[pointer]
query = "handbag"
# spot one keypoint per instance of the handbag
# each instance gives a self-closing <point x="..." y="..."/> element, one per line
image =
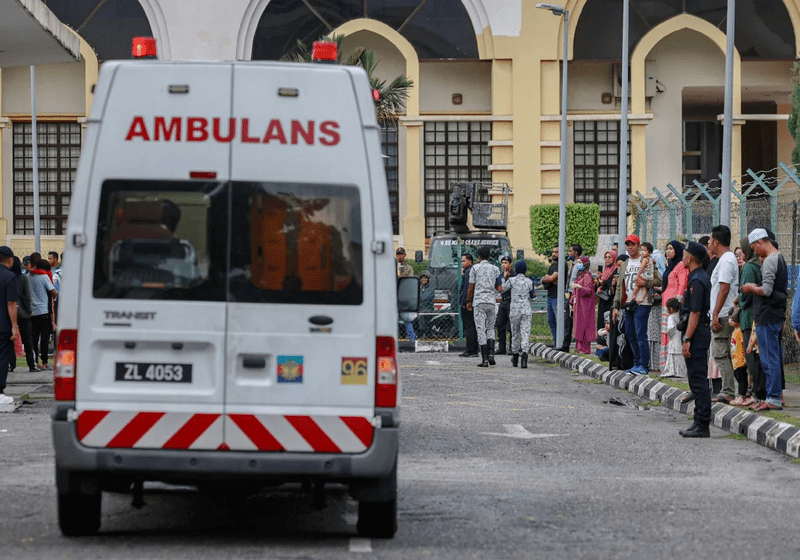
<point x="605" y="295"/>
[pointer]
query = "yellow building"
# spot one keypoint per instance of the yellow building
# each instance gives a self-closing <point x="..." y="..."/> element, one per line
<point x="486" y="101"/>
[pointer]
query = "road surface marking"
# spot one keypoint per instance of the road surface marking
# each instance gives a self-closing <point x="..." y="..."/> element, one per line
<point x="360" y="545"/>
<point x="517" y="431"/>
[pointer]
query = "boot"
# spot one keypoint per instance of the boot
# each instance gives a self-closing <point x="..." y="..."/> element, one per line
<point x="697" y="430"/>
<point x="515" y="360"/>
<point x="523" y="360"/>
<point x="484" y="356"/>
<point x="490" y="344"/>
<point x="501" y="345"/>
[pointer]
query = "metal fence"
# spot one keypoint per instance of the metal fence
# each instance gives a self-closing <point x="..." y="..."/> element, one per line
<point x="767" y="199"/>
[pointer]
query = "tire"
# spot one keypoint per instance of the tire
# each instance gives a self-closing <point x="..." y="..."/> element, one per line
<point x="377" y="519"/>
<point x="79" y="514"/>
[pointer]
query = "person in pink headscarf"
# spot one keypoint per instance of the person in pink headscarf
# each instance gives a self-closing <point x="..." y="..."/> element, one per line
<point x="604" y="288"/>
<point x="582" y="300"/>
<point x="675" y="278"/>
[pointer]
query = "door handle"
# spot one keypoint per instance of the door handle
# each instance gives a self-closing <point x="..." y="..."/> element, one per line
<point x="320" y="320"/>
<point x="253" y="362"/>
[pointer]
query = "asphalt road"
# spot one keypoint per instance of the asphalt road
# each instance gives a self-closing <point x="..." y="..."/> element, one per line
<point x="495" y="463"/>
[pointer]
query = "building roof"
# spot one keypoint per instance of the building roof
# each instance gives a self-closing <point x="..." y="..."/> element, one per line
<point x="31" y="34"/>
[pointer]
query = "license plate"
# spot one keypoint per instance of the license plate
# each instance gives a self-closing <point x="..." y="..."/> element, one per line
<point x="154" y="373"/>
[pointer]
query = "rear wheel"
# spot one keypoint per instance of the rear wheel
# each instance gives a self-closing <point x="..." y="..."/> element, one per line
<point x="377" y="519"/>
<point x="79" y="514"/>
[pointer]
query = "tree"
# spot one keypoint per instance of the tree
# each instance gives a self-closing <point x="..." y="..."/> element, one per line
<point x="389" y="98"/>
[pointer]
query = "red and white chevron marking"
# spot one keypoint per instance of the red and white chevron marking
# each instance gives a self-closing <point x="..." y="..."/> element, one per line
<point x="239" y="432"/>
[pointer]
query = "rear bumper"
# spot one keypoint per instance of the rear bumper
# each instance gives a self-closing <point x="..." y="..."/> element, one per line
<point x="188" y="466"/>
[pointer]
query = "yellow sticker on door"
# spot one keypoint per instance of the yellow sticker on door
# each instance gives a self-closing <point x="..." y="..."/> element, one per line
<point x="354" y="371"/>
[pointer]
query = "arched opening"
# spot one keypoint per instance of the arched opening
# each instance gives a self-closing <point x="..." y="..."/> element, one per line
<point x="764" y="28"/>
<point x="110" y="30"/>
<point x="440" y="29"/>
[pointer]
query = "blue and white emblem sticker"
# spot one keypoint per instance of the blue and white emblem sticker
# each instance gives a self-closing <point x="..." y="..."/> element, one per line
<point x="290" y="369"/>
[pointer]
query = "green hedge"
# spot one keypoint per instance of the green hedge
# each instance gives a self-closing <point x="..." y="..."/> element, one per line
<point x="582" y="226"/>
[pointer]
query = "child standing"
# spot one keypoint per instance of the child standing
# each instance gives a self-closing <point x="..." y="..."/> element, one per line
<point x="645" y="272"/>
<point x="676" y="365"/>
<point x="520" y="314"/>
<point x="738" y="359"/>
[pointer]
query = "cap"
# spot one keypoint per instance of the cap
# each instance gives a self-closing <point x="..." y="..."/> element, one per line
<point x="6" y="250"/>
<point x="26" y="259"/>
<point x="633" y="239"/>
<point x="696" y="250"/>
<point x="757" y="234"/>
<point x="506" y="258"/>
<point x="425" y="273"/>
<point x="400" y="251"/>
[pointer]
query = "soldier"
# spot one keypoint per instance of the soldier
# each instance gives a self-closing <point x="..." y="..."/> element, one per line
<point x="520" y="288"/>
<point x="484" y="283"/>
<point x="697" y="338"/>
<point x="502" y="324"/>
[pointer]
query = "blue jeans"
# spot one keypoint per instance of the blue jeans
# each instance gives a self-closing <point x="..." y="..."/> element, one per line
<point x="552" y="309"/>
<point x="636" y="335"/>
<point x="410" y="331"/>
<point x="769" y="350"/>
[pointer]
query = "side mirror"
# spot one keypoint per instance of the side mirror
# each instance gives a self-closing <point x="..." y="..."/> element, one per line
<point x="418" y="256"/>
<point x="408" y="297"/>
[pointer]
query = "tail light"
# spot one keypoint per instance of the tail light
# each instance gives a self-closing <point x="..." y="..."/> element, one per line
<point x="143" y="47"/>
<point x="324" y="51"/>
<point x="66" y="353"/>
<point x="386" y="369"/>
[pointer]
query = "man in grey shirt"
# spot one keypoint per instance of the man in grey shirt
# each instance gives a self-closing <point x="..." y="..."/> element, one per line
<point x="41" y="319"/>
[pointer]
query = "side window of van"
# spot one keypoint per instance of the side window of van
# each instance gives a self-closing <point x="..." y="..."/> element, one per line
<point x="161" y="240"/>
<point x="296" y="243"/>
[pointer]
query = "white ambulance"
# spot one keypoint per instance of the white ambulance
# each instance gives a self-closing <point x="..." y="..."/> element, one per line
<point x="228" y="313"/>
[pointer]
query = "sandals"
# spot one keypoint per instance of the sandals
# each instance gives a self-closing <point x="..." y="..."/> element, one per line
<point x="765" y="406"/>
<point x="720" y="398"/>
<point x="688" y="397"/>
<point x="739" y="401"/>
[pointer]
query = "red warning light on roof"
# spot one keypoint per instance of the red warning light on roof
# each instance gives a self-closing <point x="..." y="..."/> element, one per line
<point x="324" y="50"/>
<point x="144" y="47"/>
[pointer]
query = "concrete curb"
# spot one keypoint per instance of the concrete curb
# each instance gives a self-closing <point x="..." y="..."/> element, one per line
<point x="765" y="431"/>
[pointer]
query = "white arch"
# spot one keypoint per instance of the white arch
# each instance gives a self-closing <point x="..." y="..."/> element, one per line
<point x="158" y="26"/>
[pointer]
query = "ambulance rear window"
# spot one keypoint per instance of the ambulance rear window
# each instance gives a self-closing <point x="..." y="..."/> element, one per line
<point x="161" y="240"/>
<point x="296" y="243"/>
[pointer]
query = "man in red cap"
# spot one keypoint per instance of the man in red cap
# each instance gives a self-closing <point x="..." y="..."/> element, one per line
<point x="635" y="315"/>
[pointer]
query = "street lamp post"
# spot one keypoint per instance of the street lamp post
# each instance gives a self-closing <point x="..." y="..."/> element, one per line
<point x="562" y="201"/>
<point x="727" y="125"/>
<point x="622" y="210"/>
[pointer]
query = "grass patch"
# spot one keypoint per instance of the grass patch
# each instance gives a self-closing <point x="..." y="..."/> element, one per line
<point x="736" y="436"/>
<point x="590" y="380"/>
<point x="781" y="417"/>
<point x="684" y="385"/>
<point x="796" y="461"/>
<point x="652" y="403"/>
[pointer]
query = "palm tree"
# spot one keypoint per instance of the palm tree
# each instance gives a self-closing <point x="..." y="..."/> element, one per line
<point x="389" y="98"/>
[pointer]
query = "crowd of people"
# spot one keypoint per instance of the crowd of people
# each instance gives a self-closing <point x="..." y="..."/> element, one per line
<point x="30" y="287"/>
<point x="711" y="311"/>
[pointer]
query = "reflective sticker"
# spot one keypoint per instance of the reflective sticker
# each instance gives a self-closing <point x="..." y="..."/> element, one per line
<point x="290" y="369"/>
<point x="354" y="371"/>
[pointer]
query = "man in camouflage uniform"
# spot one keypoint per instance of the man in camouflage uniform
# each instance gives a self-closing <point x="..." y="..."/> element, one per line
<point x="484" y="283"/>
<point x="519" y="287"/>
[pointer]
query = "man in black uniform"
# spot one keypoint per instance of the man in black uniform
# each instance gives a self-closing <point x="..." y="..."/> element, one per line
<point x="503" y="323"/>
<point x="9" y="330"/>
<point x="697" y="338"/>
<point x="550" y="282"/>
<point x="467" y="315"/>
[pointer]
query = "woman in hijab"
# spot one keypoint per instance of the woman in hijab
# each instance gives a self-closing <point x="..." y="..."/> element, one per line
<point x="582" y="300"/>
<point x="25" y="340"/>
<point x="675" y="278"/>
<point x="751" y="272"/>
<point x="605" y="293"/>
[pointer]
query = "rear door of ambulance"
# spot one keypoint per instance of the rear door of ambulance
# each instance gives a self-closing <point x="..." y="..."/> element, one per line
<point x="301" y="320"/>
<point x="152" y="311"/>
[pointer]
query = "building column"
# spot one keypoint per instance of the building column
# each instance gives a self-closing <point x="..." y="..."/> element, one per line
<point x="412" y="184"/>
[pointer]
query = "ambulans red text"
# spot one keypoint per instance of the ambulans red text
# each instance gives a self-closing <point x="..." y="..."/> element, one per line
<point x="201" y="129"/>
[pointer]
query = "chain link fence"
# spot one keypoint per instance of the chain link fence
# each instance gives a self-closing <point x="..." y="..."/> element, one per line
<point x="768" y="199"/>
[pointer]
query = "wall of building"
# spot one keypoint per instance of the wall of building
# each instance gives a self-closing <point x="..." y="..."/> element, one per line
<point x="665" y="133"/>
<point x="439" y="80"/>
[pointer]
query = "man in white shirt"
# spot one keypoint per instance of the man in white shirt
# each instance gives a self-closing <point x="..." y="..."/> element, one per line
<point x="724" y="287"/>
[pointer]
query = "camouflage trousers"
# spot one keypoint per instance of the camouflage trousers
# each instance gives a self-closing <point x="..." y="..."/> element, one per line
<point x="485" y="316"/>
<point x="520" y="333"/>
